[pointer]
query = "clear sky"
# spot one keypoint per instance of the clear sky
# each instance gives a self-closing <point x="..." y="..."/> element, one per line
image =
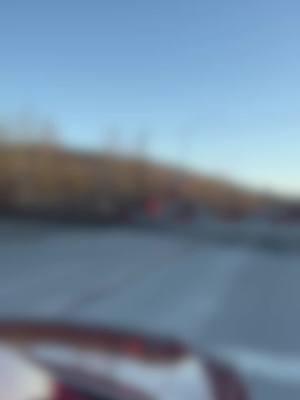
<point x="226" y="74"/>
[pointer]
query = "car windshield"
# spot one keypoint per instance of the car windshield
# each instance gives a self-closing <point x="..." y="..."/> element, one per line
<point x="150" y="197"/>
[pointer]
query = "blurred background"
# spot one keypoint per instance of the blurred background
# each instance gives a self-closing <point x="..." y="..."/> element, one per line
<point x="149" y="173"/>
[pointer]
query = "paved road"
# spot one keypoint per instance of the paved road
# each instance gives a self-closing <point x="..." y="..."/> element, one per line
<point x="243" y="304"/>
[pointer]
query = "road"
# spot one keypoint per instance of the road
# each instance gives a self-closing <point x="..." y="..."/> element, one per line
<point x="243" y="304"/>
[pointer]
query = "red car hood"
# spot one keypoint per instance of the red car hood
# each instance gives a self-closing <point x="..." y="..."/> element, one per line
<point x="92" y="360"/>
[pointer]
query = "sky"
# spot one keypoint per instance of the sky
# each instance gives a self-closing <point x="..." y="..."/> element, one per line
<point x="212" y="85"/>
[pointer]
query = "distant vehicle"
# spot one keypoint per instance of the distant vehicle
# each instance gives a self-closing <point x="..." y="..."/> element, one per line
<point x="68" y="362"/>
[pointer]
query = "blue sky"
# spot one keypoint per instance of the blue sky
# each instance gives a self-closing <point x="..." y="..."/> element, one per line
<point x="226" y="74"/>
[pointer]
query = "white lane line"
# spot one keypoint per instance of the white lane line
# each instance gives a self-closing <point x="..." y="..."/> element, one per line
<point x="279" y="368"/>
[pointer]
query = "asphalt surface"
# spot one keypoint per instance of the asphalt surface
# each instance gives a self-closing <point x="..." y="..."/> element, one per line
<point x="241" y="303"/>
